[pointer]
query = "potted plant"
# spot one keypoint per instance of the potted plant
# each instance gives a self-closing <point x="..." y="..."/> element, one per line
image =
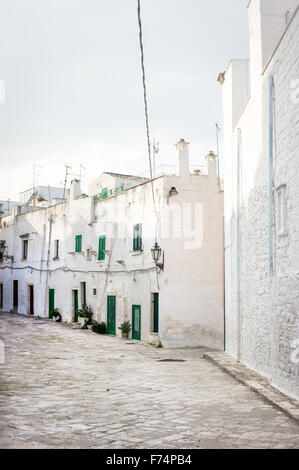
<point x="98" y="327"/>
<point x="125" y="328"/>
<point x="85" y="314"/>
<point x="56" y="315"/>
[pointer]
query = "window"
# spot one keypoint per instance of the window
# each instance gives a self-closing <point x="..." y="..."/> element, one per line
<point x="24" y="249"/>
<point x="137" y="237"/>
<point x="281" y="210"/>
<point x="94" y="291"/>
<point x="88" y="254"/>
<point x="78" y="244"/>
<point x="102" y="247"/>
<point x="56" y="249"/>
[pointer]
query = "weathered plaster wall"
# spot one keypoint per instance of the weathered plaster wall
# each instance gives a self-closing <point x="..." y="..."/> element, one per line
<point x="265" y="327"/>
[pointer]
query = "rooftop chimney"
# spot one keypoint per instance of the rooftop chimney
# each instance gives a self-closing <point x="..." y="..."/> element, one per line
<point x="211" y="160"/>
<point x="182" y="147"/>
<point x="75" y="189"/>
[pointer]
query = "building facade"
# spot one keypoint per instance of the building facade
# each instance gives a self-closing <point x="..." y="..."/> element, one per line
<point x="95" y="248"/>
<point x="261" y="140"/>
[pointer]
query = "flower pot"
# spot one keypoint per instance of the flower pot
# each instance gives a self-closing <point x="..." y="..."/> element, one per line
<point x="124" y="335"/>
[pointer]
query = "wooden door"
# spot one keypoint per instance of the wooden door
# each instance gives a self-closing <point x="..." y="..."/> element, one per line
<point x="111" y="314"/>
<point x="51" y="302"/>
<point x="15" y="295"/>
<point x="136" y="322"/>
<point x="31" y="300"/>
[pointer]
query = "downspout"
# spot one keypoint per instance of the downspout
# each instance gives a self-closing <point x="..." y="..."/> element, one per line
<point x="239" y="320"/>
<point x="271" y="183"/>
<point x="47" y="265"/>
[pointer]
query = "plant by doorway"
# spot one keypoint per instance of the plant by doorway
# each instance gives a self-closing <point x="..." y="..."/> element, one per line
<point x="125" y="328"/>
<point x="85" y="312"/>
<point x="56" y="315"/>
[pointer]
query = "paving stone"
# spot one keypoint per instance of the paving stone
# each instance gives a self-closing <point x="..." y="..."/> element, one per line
<point x="53" y="394"/>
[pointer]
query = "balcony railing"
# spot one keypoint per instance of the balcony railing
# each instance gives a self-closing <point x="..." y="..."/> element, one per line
<point x="162" y="170"/>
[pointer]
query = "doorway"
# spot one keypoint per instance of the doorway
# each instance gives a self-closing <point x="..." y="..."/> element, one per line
<point x="83" y="293"/>
<point x="31" y="299"/>
<point x="155" y="312"/>
<point x="75" y="305"/>
<point x="15" y="295"/>
<point x="51" y="302"/>
<point x="1" y="296"/>
<point x="111" y="314"/>
<point x="136" y="322"/>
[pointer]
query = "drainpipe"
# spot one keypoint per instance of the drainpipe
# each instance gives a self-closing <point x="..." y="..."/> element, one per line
<point x="271" y="182"/>
<point x="47" y="265"/>
<point x="239" y="320"/>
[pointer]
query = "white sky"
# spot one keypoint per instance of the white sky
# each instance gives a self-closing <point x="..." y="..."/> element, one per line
<point x="73" y="91"/>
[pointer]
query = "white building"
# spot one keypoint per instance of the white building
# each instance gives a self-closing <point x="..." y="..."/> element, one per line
<point x="261" y="139"/>
<point x="96" y="248"/>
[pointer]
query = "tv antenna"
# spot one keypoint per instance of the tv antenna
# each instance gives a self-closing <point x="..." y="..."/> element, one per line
<point x="67" y="168"/>
<point x="155" y="153"/>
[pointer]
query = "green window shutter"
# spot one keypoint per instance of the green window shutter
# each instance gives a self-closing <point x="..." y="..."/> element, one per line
<point x="102" y="247"/>
<point x="137" y="237"/>
<point x="78" y="244"/>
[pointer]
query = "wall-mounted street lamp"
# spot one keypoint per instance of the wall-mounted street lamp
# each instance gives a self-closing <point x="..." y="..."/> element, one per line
<point x="172" y="192"/>
<point x="156" y="255"/>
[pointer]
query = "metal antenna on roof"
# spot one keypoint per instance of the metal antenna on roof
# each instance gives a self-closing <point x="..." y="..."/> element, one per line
<point x="35" y="174"/>
<point x="155" y="153"/>
<point x="67" y="167"/>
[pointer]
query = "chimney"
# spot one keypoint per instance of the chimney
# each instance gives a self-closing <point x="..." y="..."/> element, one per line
<point x="75" y="189"/>
<point x="182" y="146"/>
<point x="211" y="160"/>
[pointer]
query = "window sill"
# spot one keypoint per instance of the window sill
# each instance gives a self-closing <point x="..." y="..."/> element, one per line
<point x="136" y="252"/>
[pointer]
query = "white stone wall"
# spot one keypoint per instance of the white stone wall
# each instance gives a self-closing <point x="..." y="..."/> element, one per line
<point x="263" y="327"/>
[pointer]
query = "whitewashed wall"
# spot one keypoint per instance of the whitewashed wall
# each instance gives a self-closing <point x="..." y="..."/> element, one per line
<point x="264" y="331"/>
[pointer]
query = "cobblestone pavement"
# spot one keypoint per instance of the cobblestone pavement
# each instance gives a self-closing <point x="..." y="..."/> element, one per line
<point x="67" y="388"/>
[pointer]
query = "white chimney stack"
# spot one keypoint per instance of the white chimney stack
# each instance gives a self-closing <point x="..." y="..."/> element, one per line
<point x="211" y="160"/>
<point x="75" y="189"/>
<point x="182" y="147"/>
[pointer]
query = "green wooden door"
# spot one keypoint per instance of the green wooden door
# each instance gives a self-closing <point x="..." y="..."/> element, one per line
<point x="51" y="302"/>
<point x="156" y="313"/>
<point x="136" y="321"/>
<point x="111" y="314"/>
<point x="75" y="305"/>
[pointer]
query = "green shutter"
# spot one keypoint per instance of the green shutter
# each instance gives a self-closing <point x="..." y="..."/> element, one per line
<point x="78" y="244"/>
<point x="102" y="247"/>
<point x="137" y="237"/>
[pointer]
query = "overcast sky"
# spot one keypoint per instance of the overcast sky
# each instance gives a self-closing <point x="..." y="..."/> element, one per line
<point x="73" y="83"/>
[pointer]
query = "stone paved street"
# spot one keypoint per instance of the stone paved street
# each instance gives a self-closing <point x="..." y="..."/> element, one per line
<point x="68" y="388"/>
